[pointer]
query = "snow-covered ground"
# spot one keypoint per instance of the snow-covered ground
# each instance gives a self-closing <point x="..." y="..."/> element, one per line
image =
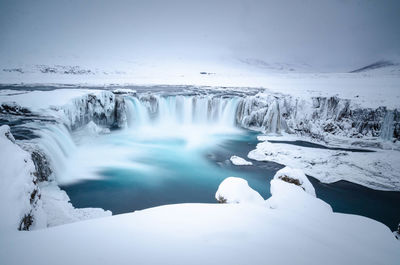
<point x="292" y="227"/>
<point x="370" y="88"/>
<point x="378" y="170"/>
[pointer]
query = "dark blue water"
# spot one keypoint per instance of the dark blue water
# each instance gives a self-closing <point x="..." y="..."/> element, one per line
<point x="193" y="177"/>
<point x="320" y="146"/>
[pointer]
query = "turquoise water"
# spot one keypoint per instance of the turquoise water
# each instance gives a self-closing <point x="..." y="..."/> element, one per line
<point x="165" y="171"/>
<point x="133" y="170"/>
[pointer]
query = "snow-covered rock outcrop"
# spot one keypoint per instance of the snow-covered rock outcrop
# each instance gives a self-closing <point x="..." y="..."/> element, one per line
<point x="20" y="202"/>
<point x="237" y="190"/>
<point x="317" y="117"/>
<point x="297" y="177"/>
<point x="292" y="197"/>
<point x="102" y="108"/>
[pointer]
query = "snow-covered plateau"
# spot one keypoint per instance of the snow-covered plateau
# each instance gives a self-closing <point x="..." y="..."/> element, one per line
<point x="290" y="227"/>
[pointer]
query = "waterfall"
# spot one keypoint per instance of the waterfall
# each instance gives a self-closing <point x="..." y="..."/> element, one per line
<point x="272" y="119"/>
<point x="183" y="110"/>
<point x="137" y="113"/>
<point x="387" y="126"/>
<point x="55" y="140"/>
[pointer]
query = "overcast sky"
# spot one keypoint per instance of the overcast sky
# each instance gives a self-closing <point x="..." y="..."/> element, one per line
<point x="336" y="34"/>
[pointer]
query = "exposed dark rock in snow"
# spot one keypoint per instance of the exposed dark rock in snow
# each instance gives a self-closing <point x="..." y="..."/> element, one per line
<point x="14" y="109"/>
<point x="42" y="165"/>
<point x="63" y="69"/>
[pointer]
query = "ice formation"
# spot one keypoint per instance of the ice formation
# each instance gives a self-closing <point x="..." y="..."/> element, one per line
<point x="238" y="161"/>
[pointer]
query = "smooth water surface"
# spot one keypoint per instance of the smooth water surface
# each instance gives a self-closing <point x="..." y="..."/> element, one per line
<point x="172" y="170"/>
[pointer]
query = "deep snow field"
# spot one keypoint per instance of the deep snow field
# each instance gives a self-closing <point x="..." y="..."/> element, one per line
<point x="226" y="138"/>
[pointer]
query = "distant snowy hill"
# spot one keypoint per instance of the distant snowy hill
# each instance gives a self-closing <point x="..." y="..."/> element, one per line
<point x="382" y="66"/>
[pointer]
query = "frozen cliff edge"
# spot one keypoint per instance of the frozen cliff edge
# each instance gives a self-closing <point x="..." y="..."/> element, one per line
<point x="322" y="118"/>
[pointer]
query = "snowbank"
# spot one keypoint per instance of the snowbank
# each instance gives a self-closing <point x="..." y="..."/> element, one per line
<point x="20" y="203"/>
<point x="377" y="170"/>
<point x="296" y="177"/>
<point x="60" y="211"/>
<point x="238" y="161"/>
<point x="297" y="228"/>
<point x="237" y="190"/>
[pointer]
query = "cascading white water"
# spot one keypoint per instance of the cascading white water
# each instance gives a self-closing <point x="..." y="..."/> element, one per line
<point x="55" y="140"/>
<point x="137" y="113"/>
<point x="388" y="126"/>
<point x="184" y="110"/>
<point x="194" y="121"/>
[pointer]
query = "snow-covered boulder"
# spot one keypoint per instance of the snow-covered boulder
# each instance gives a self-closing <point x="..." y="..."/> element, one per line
<point x="237" y="190"/>
<point x="238" y="161"/>
<point x="286" y="196"/>
<point x="297" y="177"/>
<point x="20" y="202"/>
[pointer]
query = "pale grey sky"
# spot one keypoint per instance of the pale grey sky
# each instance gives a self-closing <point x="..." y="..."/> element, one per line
<point x="337" y="34"/>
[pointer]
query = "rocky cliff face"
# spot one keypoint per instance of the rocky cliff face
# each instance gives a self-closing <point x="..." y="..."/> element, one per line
<point x="105" y="109"/>
<point x="317" y="117"/>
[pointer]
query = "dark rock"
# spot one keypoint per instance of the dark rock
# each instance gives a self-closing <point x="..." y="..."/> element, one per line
<point x="42" y="165"/>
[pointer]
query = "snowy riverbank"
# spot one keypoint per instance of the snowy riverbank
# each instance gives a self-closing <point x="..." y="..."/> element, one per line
<point x="291" y="221"/>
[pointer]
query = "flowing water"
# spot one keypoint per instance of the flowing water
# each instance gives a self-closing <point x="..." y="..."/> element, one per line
<point x="176" y="149"/>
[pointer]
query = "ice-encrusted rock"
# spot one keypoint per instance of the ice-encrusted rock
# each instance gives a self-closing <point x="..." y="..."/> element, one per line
<point x="297" y="177"/>
<point x="103" y="108"/>
<point x="237" y="190"/>
<point x="316" y="117"/>
<point x="99" y="108"/>
<point x="238" y="161"/>
<point x="43" y="169"/>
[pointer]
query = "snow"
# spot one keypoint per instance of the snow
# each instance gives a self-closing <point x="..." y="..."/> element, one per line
<point x="40" y="100"/>
<point x="290" y="196"/>
<point x="378" y="170"/>
<point x="51" y="205"/>
<point x="296" y="174"/>
<point x="237" y="190"/>
<point x="238" y="161"/>
<point x="296" y="228"/>
<point x="16" y="184"/>
<point x="60" y="211"/>
<point x="370" y="89"/>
